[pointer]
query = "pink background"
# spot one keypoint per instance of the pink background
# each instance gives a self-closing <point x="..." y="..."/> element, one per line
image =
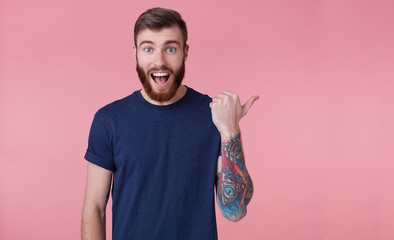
<point x="318" y="144"/>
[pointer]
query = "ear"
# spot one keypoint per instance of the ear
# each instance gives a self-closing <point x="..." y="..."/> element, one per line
<point x="135" y="52"/>
<point x="186" y="52"/>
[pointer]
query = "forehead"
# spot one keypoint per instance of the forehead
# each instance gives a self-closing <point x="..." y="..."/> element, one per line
<point x="160" y="36"/>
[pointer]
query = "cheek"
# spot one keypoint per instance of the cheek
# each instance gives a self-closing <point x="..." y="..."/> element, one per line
<point x="143" y="61"/>
<point x="176" y="62"/>
<point x="143" y="64"/>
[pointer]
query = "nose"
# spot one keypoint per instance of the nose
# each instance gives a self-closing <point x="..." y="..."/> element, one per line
<point x="159" y="59"/>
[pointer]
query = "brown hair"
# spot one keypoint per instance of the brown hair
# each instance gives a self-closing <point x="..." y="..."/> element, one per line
<point x="159" y="18"/>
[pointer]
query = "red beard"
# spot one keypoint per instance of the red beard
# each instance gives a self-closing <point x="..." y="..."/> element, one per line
<point x="176" y="83"/>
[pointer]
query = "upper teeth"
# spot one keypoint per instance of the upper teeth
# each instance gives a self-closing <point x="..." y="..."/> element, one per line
<point x="160" y="74"/>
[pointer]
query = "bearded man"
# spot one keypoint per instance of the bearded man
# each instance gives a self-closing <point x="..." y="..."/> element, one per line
<point x="165" y="147"/>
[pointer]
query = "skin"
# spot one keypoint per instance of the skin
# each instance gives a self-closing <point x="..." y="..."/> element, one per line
<point x="96" y="197"/>
<point x="158" y="49"/>
<point x="234" y="187"/>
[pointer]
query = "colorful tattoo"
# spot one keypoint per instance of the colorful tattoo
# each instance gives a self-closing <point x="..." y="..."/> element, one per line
<point x="234" y="186"/>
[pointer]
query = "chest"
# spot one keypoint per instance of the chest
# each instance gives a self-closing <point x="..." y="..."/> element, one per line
<point x="153" y="141"/>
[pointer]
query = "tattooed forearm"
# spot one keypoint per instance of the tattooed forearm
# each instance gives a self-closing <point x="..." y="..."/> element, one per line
<point x="233" y="150"/>
<point x="234" y="186"/>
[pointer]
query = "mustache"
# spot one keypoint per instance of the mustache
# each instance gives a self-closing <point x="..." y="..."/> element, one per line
<point x="162" y="68"/>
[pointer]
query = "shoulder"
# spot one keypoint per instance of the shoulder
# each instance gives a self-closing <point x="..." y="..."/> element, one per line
<point x="116" y="107"/>
<point x="199" y="97"/>
<point x="198" y="103"/>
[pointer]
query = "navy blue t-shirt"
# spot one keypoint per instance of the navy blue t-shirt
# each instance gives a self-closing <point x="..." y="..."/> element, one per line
<point x="164" y="162"/>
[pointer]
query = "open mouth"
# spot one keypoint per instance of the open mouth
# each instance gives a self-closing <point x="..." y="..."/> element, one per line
<point x="160" y="78"/>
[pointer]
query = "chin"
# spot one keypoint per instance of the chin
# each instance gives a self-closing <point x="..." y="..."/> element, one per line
<point x="166" y="84"/>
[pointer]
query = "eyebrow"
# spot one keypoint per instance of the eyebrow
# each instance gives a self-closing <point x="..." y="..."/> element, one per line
<point x="172" y="41"/>
<point x="150" y="42"/>
<point x="166" y="42"/>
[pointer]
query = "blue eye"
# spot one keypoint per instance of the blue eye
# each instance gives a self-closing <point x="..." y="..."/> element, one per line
<point x="171" y="50"/>
<point x="148" y="50"/>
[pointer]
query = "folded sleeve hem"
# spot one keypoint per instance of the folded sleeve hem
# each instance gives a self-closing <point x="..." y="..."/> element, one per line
<point x="99" y="161"/>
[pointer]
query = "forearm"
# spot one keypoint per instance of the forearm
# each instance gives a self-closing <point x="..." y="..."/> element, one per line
<point x="234" y="185"/>
<point x="93" y="224"/>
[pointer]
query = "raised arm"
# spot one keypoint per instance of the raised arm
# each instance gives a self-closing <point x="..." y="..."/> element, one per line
<point x="96" y="197"/>
<point x="234" y="187"/>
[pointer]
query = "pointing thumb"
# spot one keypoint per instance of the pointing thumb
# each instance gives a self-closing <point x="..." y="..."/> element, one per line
<point x="248" y="104"/>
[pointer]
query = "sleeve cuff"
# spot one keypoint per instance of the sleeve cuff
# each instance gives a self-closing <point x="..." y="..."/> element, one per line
<point x="99" y="161"/>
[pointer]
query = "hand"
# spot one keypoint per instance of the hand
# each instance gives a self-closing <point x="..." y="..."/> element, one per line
<point x="227" y="111"/>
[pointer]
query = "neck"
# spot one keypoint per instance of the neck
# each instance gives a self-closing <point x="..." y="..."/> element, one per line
<point x="178" y="95"/>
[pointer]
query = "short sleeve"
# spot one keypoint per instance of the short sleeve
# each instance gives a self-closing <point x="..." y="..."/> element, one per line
<point x="100" y="144"/>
